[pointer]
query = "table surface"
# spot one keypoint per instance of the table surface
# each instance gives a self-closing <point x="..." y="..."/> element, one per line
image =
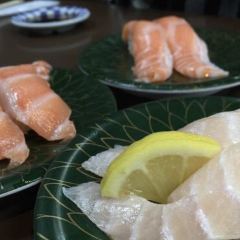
<point x="62" y="51"/>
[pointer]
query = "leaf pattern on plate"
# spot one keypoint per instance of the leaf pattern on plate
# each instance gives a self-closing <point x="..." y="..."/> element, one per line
<point x="54" y="213"/>
<point x="89" y="101"/>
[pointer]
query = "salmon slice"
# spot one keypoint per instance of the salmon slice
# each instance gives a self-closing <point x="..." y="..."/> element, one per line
<point x="40" y="68"/>
<point x="28" y="99"/>
<point x="12" y="141"/>
<point x="148" y="46"/>
<point x="190" y="53"/>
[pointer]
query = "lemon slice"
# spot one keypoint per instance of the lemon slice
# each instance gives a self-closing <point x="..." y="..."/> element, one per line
<point x="155" y="165"/>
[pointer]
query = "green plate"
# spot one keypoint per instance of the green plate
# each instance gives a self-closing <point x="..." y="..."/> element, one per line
<point x="88" y="99"/>
<point x="58" y="218"/>
<point x="110" y="62"/>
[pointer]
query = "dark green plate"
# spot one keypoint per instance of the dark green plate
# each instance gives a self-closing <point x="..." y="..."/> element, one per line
<point x="88" y="99"/>
<point x="58" y="218"/>
<point x="110" y="62"/>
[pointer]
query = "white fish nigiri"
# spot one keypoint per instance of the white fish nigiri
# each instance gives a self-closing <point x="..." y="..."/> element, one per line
<point x="210" y="211"/>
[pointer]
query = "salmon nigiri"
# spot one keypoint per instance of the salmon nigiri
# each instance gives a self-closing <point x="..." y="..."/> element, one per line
<point x="12" y="141"/>
<point x="147" y="44"/>
<point x="190" y="53"/>
<point x="27" y="97"/>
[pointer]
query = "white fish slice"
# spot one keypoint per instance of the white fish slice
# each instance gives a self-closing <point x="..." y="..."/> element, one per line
<point x="223" y="127"/>
<point x="99" y="163"/>
<point x="220" y="174"/>
<point x="221" y="177"/>
<point x="199" y="217"/>
<point x="113" y="217"/>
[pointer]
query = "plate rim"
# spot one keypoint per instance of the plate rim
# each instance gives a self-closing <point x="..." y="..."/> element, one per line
<point x="177" y="91"/>
<point x="19" y="189"/>
<point x="55" y="24"/>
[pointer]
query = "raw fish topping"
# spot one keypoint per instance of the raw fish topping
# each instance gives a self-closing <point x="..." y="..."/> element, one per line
<point x="165" y="44"/>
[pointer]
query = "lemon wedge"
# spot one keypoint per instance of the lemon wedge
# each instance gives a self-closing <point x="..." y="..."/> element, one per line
<point x="155" y="165"/>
